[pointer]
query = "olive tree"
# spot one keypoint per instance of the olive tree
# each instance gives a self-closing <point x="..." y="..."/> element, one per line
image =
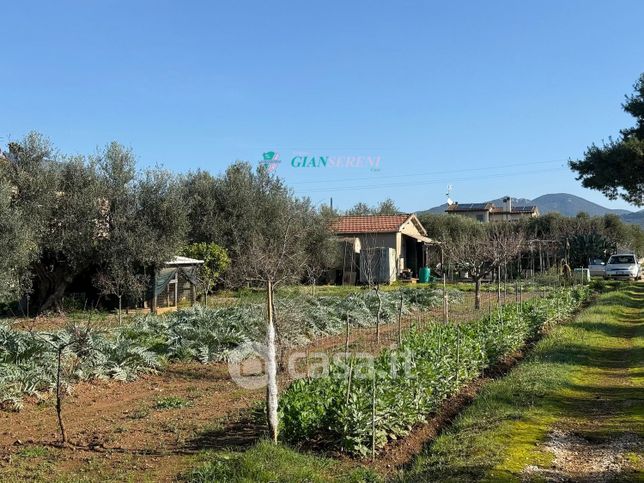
<point x="89" y="215"/>
<point x="16" y="242"/>
<point x="321" y="246"/>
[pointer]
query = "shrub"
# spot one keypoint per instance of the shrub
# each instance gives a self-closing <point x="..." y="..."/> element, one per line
<point x="28" y="361"/>
<point x="171" y="402"/>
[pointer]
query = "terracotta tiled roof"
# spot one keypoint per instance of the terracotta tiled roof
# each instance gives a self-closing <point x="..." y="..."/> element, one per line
<point x="369" y="224"/>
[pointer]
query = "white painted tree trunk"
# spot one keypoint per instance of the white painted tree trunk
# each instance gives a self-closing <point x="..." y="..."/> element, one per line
<point x="271" y="367"/>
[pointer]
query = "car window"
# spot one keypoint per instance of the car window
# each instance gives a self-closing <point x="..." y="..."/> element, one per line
<point x="622" y="259"/>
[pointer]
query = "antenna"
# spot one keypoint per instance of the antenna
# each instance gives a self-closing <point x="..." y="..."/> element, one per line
<point x="449" y="190"/>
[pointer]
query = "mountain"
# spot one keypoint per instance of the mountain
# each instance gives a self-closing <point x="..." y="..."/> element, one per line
<point x="564" y="203"/>
<point x="637" y="218"/>
<point x="570" y="205"/>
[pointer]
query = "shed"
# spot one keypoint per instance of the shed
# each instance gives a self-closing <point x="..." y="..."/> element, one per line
<point x="173" y="285"/>
<point x="402" y="233"/>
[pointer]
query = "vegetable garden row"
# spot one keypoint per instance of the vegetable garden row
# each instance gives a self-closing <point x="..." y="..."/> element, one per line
<point x="363" y="403"/>
<point x="28" y="360"/>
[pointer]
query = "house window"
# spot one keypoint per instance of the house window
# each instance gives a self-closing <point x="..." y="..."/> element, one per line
<point x="480" y="217"/>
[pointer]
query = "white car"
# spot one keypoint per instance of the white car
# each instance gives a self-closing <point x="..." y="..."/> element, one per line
<point x="623" y="265"/>
<point x="597" y="268"/>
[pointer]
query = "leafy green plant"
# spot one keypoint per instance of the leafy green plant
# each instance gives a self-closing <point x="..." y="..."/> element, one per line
<point x="412" y="380"/>
<point x="28" y="359"/>
<point x="171" y="402"/>
<point x="34" y="452"/>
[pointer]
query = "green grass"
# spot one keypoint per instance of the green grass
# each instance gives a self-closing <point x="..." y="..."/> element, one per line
<point x="171" y="402"/>
<point x="266" y="462"/>
<point x="34" y="452"/>
<point x="584" y="376"/>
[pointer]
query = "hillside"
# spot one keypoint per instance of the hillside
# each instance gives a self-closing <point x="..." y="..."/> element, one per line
<point x="570" y="205"/>
<point x="636" y="218"/>
<point x="563" y="203"/>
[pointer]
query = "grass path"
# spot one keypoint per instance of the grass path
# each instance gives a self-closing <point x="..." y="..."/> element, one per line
<point x="573" y="411"/>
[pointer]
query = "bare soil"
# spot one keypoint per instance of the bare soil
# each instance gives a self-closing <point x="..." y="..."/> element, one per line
<point x="117" y="426"/>
<point x="119" y="431"/>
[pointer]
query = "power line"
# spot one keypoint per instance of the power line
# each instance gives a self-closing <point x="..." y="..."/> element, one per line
<point x="419" y="183"/>
<point x="416" y="175"/>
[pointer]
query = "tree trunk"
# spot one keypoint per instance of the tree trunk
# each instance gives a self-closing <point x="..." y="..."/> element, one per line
<point x="53" y="300"/>
<point x="271" y="366"/>
<point x="445" y="296"/>
<point x="349" y="380"/>
<point x="346" y="342"/>
<point x="373" y="417"/>
<point x="50" y="286"/>
<point x="477" y="293"/>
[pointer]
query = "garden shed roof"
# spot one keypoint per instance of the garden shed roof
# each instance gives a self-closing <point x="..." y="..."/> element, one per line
<point x="375" y="224"/>
<point x="178" y="260"/>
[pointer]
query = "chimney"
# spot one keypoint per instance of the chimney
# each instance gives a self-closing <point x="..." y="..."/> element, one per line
<point x="507" y="204"/>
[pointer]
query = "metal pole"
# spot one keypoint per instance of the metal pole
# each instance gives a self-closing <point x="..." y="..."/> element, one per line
<point x="445" y="296"/>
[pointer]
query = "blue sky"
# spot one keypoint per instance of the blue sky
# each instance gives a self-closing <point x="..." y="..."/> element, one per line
<point x="492" y="97"/>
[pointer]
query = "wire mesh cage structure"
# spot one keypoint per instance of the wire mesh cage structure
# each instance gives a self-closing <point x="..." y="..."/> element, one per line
<point x="174" y="285"/>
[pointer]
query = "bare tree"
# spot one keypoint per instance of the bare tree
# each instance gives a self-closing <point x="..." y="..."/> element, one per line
<point x="121" y="280"/>
<point x="322" y="248"/>
<point x="78" y="340"/>
<point x="274" y="260"/>
<point x="374" y="270"/>
<point x="506" y="241"/>
<point x="482" y="249"/>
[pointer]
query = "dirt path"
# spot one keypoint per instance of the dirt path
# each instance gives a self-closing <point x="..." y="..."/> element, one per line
<point x="600" y="436"/>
